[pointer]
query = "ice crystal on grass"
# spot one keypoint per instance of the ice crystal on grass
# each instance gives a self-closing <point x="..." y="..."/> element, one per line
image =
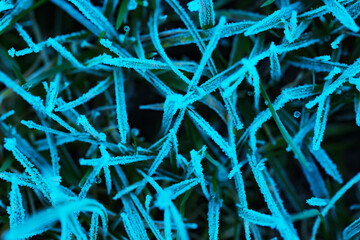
<point x="186" y="110"/>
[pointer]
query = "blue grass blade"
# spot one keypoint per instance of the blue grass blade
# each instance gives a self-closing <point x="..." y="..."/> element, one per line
<point x="120" y="160"/>
<point x="206" y="13"/>
<point x="332" y="74"/>
<point x="317" y="202"/>
<point x="332" y="202"/>
<point x="135" y="63"/>
<point x="107" y="175"/>
<point x="5" y="6"/>
<point x="179" y="223"/>
<point x="207" y="53"/>
<point x="276" y="194"/>
<point x="166" y="148"/>
<point x="336" y="42"/>
<point x="93" y="92"/>
<point x="285" y="227"/>
<point x="132" y="221"/>
<point x="52" y="95"/>
<point x="148" y="199"/>
<point x="316" y="64"/>
<point x="95" y="16"/>
<point x="341" y="14"/>
<point x="271" y="21"/>
<point x="122" y="118"/>
<point x="7" y="115"/>
<point x="211" y="132"/>
<point x="258" y="218"/>
<point x="74" y="13"/>
<point x="35" y="101"/>
<point x="290" y="26"/>
<point x="231" y="108"/>
<point x="275" y="71"/>
<point x="198" y="169"/>
<point x="39" y="46"/>
<point x="109" y="45"/>
<point x="17" y="8"/>
<point x="64" y="52"/>
<point x="193" y="31"/>
<point x="213" y="217"/>
<point x="27" y="38"/>
<point x="55" y="159"/>
<point x="82" y="120"/>
<point x="16" y="209"/>
<point x="128" y="190"/>
<point x="94" y="227"/>
<point x="171" y="105"/>
<point x="43" y="220"/>
<point x="180" y="188"/>
<point x="147" y="217"/>
<point x="352" y="230"/>
<point x="90" y="181"/>
<point x="287" y="95"/>
<point x="154" y="34"/>
<point x="324" y="160"/>
<point x="350" y="72"/>
<point x="32" y="125"/>
<point x="20" y="179"/>
<point x="320" y="123"/>
<point x="167" y="224"/>
<point x="254" y="75"/>
<point x="315" y="180"/>
<point x="357" y="110"/>
<point x="10" y="145"/>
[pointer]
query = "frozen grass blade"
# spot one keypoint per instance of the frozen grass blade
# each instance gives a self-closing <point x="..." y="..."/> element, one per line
<point x="132" y="221"/>
<point x="352" y="230"/>
<point x="16" y="209"/>
<point x="180" y="188"/>
<point x="10" y="145"/>
<point x="41" y="221"/>
<point x="336" y="42"/>
<point x="274" y="63"/>
<point x="231" y="108"/>
<point x="52" y="95"/>
<point x="27" y="38"/>
<point x="207" y="129"/>
<point x="82" y="120"/>
<point x="213" y="217"/>
<point x="64" y="52"/>
<point x="332" y="202"/>
<point x="341" y="14"/>
<point x="153" y="25"/>
<point x="350" y="72"/>
<point x="5" y="6"/>
<point x="121" y="113"/>
<point x="271" y="21"/>
<point x="207" y="53"/>
<point x="7" y="115"/>
<point x="320" y="123"/>
<point x="258" y="218"/>
<point x="94" y="226"/>
<point x="324" y="160"/>
<point x="317" y="202"/>
<point x="196" y="158"/>
<point x="93" y="92"/>
<point x="147" y="217"/>
<point x="94" y="15"/>
<point x="357" y="110"/>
